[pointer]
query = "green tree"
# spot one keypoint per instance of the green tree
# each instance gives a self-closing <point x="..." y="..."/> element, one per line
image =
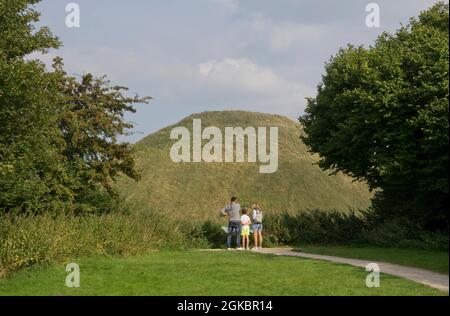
<point x="31" y="170"/>
<point x="381" y="115"/>
<point x="92" y="120"/>
<point x="58" y="137"/>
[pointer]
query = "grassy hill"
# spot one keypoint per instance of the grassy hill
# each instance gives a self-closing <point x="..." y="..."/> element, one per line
<point x="198" y="190"/>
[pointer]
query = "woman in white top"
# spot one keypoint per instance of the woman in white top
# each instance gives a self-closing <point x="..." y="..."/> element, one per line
<point x="257" y="226"/>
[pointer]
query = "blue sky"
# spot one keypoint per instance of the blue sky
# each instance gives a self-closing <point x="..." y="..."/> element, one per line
<point x="201" y="55"/>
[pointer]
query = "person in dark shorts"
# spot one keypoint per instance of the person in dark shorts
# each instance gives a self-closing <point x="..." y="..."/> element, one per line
<point x="257" y="216"/>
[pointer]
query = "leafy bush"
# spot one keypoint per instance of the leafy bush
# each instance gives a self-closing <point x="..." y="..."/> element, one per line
<point x="213" y="233"/>
<point x="313" y="227"/>
<point x="316" y="227"/>
<point x="403" y="233"/>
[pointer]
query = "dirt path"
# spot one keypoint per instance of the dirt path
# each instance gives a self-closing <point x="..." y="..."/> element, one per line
<point x="432" y="279"/>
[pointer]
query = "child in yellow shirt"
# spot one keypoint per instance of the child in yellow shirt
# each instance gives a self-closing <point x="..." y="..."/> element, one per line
<point x="245" y="229"/>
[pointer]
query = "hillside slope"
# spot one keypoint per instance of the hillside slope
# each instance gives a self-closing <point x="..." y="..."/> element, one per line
<point x="198" y="190"/>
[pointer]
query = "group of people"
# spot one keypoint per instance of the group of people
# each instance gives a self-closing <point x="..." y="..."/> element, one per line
<point x="239" y="223"/>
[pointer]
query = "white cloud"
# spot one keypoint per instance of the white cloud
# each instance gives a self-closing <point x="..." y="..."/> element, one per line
<point x="253" y="85"/>
<point x="229" y="83"/>
<point x="232" y="5"/>
<point x="244" y="74"/>
<point x="281" y="36"/>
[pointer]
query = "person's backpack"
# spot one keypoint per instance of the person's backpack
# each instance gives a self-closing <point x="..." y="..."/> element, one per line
<point x="259" y="216"/>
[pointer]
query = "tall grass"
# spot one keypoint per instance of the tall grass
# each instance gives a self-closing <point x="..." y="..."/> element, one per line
<point x="29" y="240"/>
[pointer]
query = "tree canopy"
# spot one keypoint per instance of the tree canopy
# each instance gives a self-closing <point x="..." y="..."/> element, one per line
<point x="381" y="115"/>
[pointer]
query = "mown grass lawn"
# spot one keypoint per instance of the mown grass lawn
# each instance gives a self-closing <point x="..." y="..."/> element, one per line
<point x="206" y="273"/>
<point x="432" y="260"/>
